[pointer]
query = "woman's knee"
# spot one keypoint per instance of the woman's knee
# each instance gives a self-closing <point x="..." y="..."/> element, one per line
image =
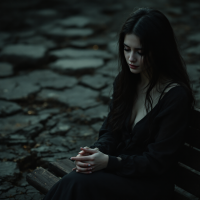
<point x="76" y="178"/>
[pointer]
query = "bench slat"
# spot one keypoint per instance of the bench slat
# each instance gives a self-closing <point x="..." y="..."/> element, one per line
<point x="61" y="167"/>
<point x="188" y="180"/>
<point x="41" y="179"/>
<point x="193" y="137"/>
<point x="180" y="194"/>
<point x="195" y="119"/>
<point x="191" y="157"/>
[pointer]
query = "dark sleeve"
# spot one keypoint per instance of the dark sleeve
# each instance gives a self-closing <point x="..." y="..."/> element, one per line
<point x="107" y="142"/>
<point x="160" y="156"/>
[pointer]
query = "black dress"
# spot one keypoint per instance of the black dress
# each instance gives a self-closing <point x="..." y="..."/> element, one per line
<point x="146" y="172"/>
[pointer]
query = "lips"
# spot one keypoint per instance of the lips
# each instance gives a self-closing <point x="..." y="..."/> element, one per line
<point x="133" y="66"/>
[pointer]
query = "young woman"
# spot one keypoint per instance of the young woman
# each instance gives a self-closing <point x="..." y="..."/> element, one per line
<point x="140" y="141"/>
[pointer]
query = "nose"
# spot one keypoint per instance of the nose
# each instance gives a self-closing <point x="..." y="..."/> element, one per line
<point x="132" y="57"/>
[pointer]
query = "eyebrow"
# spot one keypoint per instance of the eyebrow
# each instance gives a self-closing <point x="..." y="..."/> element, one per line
<point x="134" y="48"/>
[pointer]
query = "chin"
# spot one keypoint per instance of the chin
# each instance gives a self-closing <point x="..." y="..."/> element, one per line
<point x="134" y="71"/>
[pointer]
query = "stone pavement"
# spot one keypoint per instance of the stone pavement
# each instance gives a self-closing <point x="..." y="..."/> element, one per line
<point x="58" y="60"/>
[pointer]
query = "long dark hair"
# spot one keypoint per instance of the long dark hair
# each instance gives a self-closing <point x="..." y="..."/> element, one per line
<point x="161" y="59"/>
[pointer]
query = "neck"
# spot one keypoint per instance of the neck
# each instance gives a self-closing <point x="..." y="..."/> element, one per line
<point x="144" y="80"/>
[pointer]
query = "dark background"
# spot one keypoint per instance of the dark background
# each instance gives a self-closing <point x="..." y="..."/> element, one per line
<point x="58" y="60"/>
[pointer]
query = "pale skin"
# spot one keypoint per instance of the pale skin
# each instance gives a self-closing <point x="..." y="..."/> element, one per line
<point x="133" y="54"/>
<point x="90" y="160"/>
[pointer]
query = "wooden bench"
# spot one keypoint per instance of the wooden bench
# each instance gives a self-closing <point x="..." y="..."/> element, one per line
<point x="187" y="185"/>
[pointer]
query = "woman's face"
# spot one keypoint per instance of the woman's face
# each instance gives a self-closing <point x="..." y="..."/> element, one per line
<point x="133" y="53"/>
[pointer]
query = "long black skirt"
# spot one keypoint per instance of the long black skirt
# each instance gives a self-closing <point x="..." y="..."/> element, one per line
<point x="104" y="185"/>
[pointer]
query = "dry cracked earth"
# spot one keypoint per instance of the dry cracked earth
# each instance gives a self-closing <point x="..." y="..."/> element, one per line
<point x="58" y="60"/>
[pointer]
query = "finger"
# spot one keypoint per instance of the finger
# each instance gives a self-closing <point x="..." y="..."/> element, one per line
<point x="81" y="152"/>
<point x="90" y="150"/>
<point x="84" y="158"/>
<point x="86" y="147"/>
<point x="81" y="164"/>
<point x="80" y="169"/>
<point x="90" y="163"/>
<point x="84" y="153"/>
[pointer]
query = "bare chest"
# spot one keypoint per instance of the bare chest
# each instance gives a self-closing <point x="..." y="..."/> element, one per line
<point x="139" y="110"/>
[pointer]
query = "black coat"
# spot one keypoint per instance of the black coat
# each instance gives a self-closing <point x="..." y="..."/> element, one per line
<point x="145" y="172"/>
<point x="159" y="158"/>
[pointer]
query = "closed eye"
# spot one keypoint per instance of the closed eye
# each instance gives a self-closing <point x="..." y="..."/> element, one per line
<point x="140" y="53"/>
<point x="126" y="49"/>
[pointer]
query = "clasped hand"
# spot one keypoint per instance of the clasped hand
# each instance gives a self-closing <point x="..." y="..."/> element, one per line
<point x="90" y="160"/>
